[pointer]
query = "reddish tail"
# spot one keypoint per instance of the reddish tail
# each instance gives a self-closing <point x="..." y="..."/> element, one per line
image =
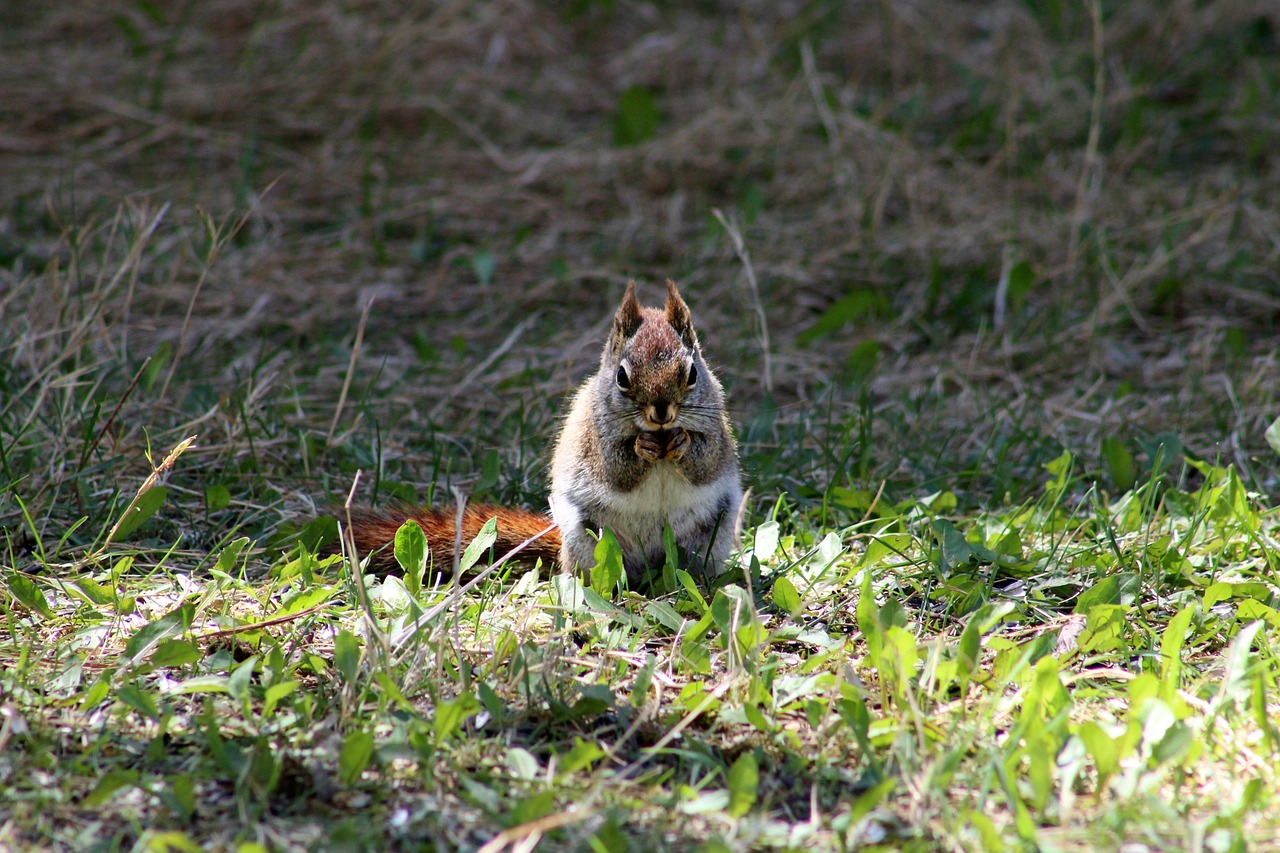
<point x="374" y="531"/>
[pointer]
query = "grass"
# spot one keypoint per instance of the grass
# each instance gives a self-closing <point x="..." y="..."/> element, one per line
<point x="993" y="297"/>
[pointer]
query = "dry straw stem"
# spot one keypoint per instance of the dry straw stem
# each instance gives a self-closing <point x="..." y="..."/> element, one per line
<point x="158" y="471"/>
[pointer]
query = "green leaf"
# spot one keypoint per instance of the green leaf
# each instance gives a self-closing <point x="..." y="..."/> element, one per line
<point x="744" y="780"/>
<point x="411" y="553"/>
<point x="450" y="716"/>
<point x="1060" y="469"/>
<point x="181" y="796"/>
<point x="862" y="360"/>
<point x="137" y="513"/>
<point x="346" y="656"/>
<point x="1122" y="588"/>
<point x="1120" y="463"/>
<point x="1102" y="749"/>
<point x="1171" y="642"/>
<point x="665" y="615"/>
<point x="868" y="615"/>
<point x="217" y="497"/>
<point x="170" y="653"/>
<point x="357" y="750"/>
<point x="766" y="540"/>
<point x="479" y="546"/>
<point x="859" y="303"/>
<point x="583" y="754"/>
<point x="1105" y="627"/>
<point x="786" y="596"/>
<point x="637" y="118"/>
<point x="1021" y="278"/>
<point x="869" y="799"/>
<point x="1272" y="435"/>
<point x="113" y="781"/>
<point x="148" y="636"/>
<point x="231" y="555"/>
<point x="95" y="592"/>
<point x="271" y="698"/>
<point x="608" y="570"/>
<point x="25" y="590"/>
<point x="139" y="700"/>
<point x="483" y="265"/>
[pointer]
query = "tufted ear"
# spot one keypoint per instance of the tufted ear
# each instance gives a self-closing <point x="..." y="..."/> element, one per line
<point x="626" y="322"/>
<point x="679" y="317"/>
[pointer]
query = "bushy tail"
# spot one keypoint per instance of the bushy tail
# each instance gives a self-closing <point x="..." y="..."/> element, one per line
<point x="374" y="531"/>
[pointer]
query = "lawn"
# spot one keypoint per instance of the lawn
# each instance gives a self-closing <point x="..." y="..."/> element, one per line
<point x="993" y="292"/>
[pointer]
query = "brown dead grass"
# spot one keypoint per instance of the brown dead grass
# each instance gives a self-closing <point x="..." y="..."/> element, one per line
<point x="914" y="149"/>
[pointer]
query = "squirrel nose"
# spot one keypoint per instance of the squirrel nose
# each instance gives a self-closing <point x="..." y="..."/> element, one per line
<point x="662" y="412"/>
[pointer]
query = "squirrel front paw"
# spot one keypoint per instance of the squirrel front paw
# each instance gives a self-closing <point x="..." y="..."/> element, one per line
<point x="677" y="444"/>
<point x="649" y="446"/>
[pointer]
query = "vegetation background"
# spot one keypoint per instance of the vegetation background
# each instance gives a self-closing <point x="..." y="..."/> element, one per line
<point x="930" y="247"/>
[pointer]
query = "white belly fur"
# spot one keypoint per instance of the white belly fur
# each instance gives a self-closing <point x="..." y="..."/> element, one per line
<point x="665" y="497"/>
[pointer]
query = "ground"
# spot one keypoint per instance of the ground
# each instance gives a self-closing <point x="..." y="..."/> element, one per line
<point x="992" y="290"/>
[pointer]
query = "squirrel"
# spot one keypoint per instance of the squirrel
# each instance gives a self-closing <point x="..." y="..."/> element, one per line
<point x="646" y="444"/>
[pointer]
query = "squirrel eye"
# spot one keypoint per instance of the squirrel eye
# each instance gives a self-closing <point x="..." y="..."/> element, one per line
<point x="693" y="375"/>
<point x="624" y="381"/>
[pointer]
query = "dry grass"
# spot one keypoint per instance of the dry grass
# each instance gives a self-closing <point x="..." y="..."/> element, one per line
<point x="916" y="153"/>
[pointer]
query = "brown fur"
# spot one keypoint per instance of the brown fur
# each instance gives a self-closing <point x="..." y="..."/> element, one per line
<point x="375" y="533"/>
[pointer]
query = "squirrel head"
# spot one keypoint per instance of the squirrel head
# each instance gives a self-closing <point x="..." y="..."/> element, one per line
<point x="652" y="364"/>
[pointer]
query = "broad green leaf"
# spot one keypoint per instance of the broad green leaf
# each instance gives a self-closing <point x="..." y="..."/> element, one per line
<point x="1171" y="642"/>
<point x="411" y="554"/>
<point x="346" y="656"/>
<point x="94" y="592"/>
<point x="868" y="616"/>
<point x="140" y="510"/>
<point x="200" y="684"/>
<point x="139" y="700"/>
<point x="479" y="546"/>
<point x="1060" y="468"/>
<point x="744" y="780"/>
<point x="450" y="716"/>
<point x="862" y="360"/>
<point x="309" y="597"/>
<point x="583" y="754"/>
<point x="1273" y="435"/>
<point x="1021" y="278"/>
<point x="181" y="795"/>
<point x="665" y="615"/>
<point x="271" y="698"/>
<point x="231" y="555"/>
<point x="357" y="750"/>
<point x="1102" y="749"/>
<point x="1121" y="588"/>
<point x="111" y="782"/>
<point x="608" y="570"/>
<point x="637" y="117"/>
<point x="217" y="497"/>
<point x="25" y="590"/>
<point x="1120" y="463"/>
<point x="861" y="303"/>
<point x="1105" y="627"/>
<point x="521" y="763"/>
<point x="766" y="540"/>
<point x="150" y="635"/>
<point x="170" y="653"/>
<point x="786" y="596"/>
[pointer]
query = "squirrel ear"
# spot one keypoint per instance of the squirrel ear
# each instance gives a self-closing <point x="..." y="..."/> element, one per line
<point x="627" y="321"/>
<point x="679" y="316"/>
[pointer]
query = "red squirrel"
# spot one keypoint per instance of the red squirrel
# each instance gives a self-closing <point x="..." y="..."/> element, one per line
<point x="646" y="444"/>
